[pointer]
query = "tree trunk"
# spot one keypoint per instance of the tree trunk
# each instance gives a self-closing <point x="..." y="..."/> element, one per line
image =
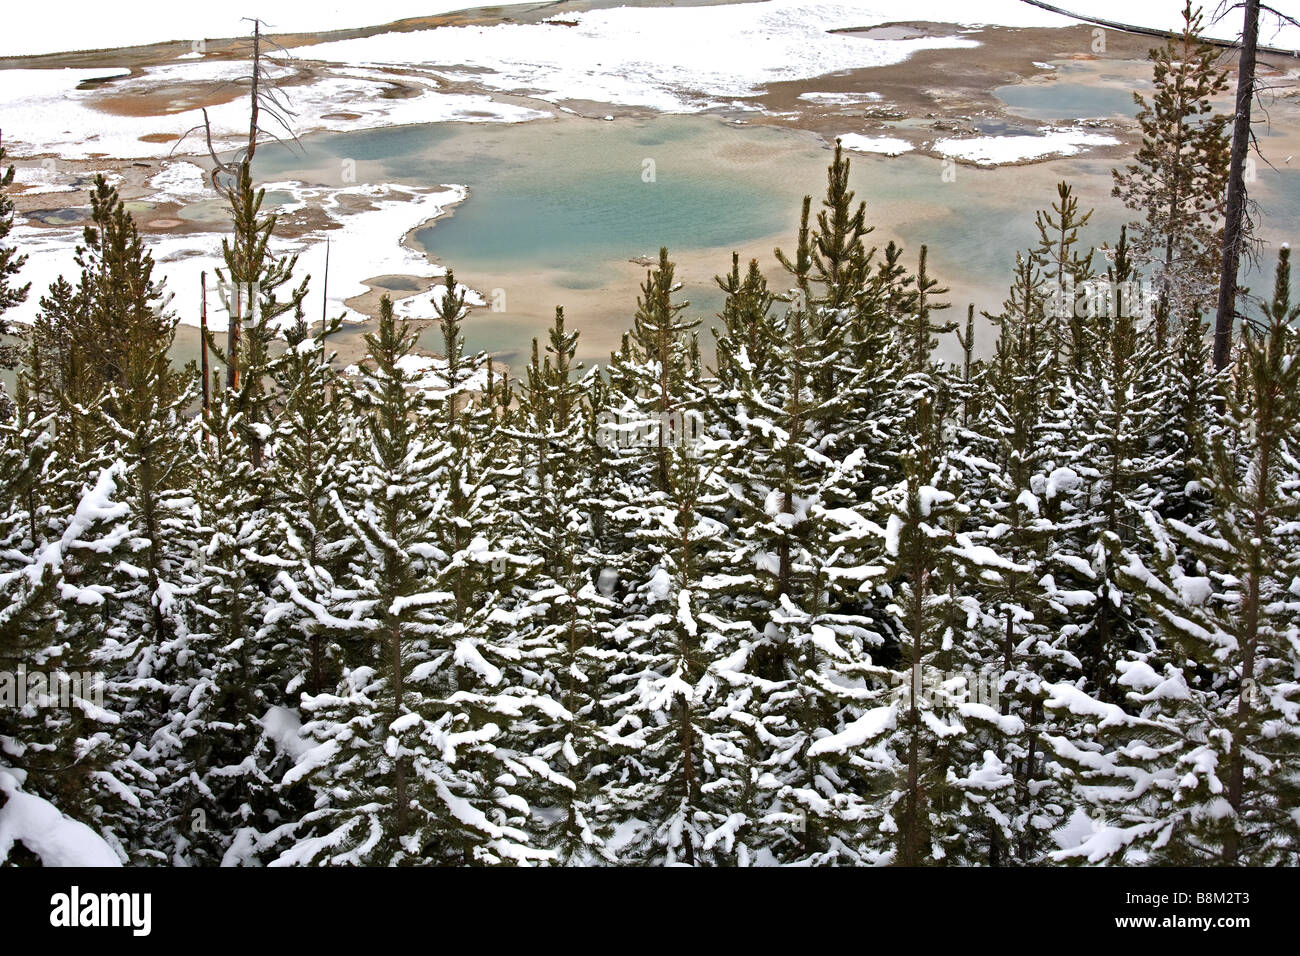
<point x="203" y="344"/>
<point x="1235" y="212"/>
<point x="399" y="771"/>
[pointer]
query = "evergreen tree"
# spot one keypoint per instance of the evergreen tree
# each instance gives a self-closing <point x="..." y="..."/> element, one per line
<point x="312" y="463"/>
<point x="1194" y="769"/>
<point x="11" y="261"/>
<point x="252" y="284"/>
<point x="1066" y="271"/>
<point x="410" y="732"/>
<point x="563" y="618"/>
<point x="1178" y="180"/>
<point x="780" y="572"/>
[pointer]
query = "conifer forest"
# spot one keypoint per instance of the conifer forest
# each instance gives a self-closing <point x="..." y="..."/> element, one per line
<point x="774" y="586"/>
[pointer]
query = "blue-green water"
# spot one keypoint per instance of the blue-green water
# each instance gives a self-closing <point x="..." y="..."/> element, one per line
<point x="589" y="191"/>
<point x="1064" y="99"/>
<point x="557" y="209"/>
<point x="574" y="201"/>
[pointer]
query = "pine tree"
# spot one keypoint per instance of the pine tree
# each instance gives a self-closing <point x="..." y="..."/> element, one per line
<point x="685" y="775"/>
<point x="562" y="617"/>
<point x="801" y="649"/>
<point x="928" y="744"/>
<point x="1177" y="182"/>
<point x="916" y="327"/>
<point x="1116" y="410"/>
<point x="312" y="462"/>
<point x="411" y="731"/>
<point x="251" y="285"/>
<point x="219" y="782"/>
<point x="30" y="619"/>
<point x="1194" y="768"/>
<point x="839" y="255"/>
<point x="1028" y="511"/>
<point x="119" y="311"/>
<point x="120" y="410"/>
<point x="1066" y="271"/>
<point x="11" y="261"/>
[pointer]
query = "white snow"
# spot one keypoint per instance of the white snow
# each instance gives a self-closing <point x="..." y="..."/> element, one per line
<point x="284" y="726"/>
<point x="1062" y="481"/>
<point x="666" y="58"/>
<point x="44" y="830"/>
<point x="45" y="178"/>
<point x="889" y="145"/>
<point x="893" y="532"/>
<point x="1077" y="702"/>
<point x="181" y="183"/>
<point x="368" y="244"/>
<point x="867" y="727"/>
<point x="88" y="25"/>
<point x="993" y="150"/>
<point x="1074" y="831"/>
<point x="659" y="586"/>
<point x="669" y="58"/>
<point x="43" y="111"/>
<point x="840" y="99"/>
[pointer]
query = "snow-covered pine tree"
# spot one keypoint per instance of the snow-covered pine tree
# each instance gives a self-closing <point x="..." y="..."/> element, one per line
<point x="1196" y="768"/>
<point x="70" y="572"/>
<point x="683" y="789"/>
<point x="121" y="411"/>
<point x="802" y="650"/>
<point x="1118" y="407"/>
<point x="928" y="740"/>
<point x="410" y="735"/>
<point x="29" y="608"/>
<point x="496" y="679"/>
<point x="651" y="375"/>
<point x="689" y="781"/>
<point x="221" y="776"/>
<point x="1066" y="271"/>
<point x="370" y="732"/>
<point x="99" y="769"/>
<point x="251" y="285"/>
<point x="561" y="615"/>
<point x="312" y="461"/>
<point x="839" y="255"/>
<point x="11" y="260"/>
<point x="225" y="664"/>
<point x="1026" y="512"/>
<point x="916" y="328"/>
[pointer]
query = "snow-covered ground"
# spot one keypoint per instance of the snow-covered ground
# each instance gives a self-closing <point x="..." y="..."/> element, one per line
<point x="991" y="150"/>
<point x="667" y="58"/>
<point x="94" y="25"/>
<point x="367" y="245"/>
<point x="675" y="59"/>
<point x="889" y="145"/>
<point x="42" y="111"/>
<point x="678" y="58"/>
<point x="684" y="57"/>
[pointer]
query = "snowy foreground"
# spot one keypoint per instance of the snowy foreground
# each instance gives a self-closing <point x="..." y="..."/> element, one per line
<point x="832" y="603"/>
